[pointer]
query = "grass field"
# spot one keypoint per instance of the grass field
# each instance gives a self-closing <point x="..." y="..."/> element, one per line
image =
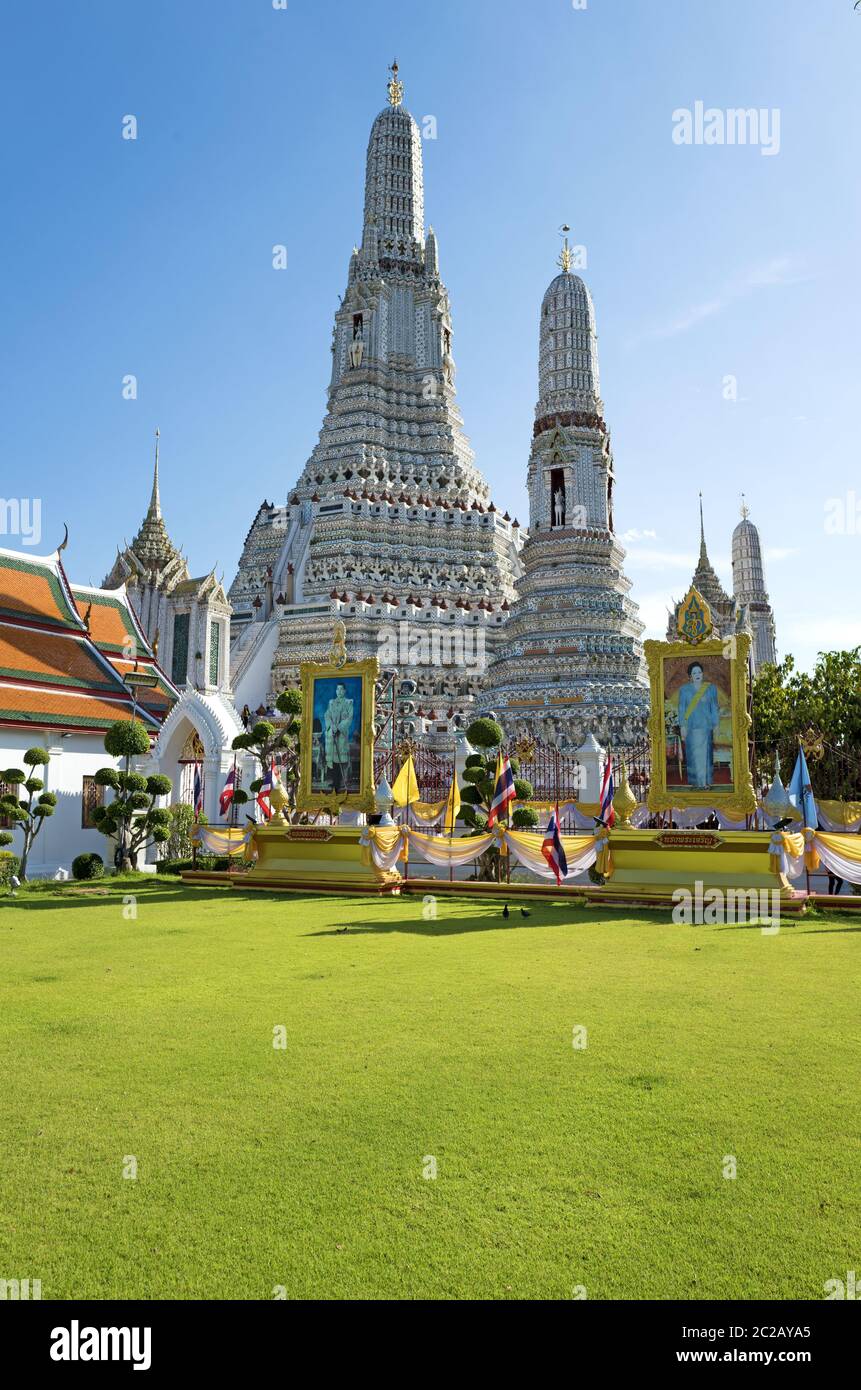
<point x="409" y="1040"/>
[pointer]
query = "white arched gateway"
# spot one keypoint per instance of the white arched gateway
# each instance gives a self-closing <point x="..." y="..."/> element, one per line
<point x="200" y="728"/>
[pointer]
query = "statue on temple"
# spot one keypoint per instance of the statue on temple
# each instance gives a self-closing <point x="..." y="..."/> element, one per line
<point x="559" y="507"/>
<point x="357" y="346"/>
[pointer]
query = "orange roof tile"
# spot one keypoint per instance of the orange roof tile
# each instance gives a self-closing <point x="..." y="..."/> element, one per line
<point x="34" y="590"/>
<point x="21" y="704"/>
<point x="28" y="654"/>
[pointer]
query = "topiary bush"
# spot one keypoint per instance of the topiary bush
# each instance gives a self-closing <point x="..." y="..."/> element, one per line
<point x="85" y="866"/>
<point x="485" y="733"/>
<point x="524" y="818"/>
<point x="9" y="865"/>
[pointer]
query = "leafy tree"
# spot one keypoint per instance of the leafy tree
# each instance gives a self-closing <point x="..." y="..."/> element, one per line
<point x="29" y="816"/>
<point x="265" y="739"/>
<point x="132" y="818"/>
<point x="181" y="820"/>
<point x="787" y="703"/>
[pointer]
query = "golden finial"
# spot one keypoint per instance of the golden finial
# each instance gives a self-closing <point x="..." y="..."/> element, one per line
<point x="566" y="255"/>
<point x="396" y="88"/>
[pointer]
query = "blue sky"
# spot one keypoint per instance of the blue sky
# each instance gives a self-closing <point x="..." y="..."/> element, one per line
<point x="154" y="257"/>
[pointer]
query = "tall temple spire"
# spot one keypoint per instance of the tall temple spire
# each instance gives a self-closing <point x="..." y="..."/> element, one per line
<point x="394" y="184"/>
<point x="568" y="377"/>
<point x="704" y="559"/>
<point x="571" y="657"/>
<point x="154" y="511"/>
<point x="390" y="505"/>
<point x="749" y="590"/>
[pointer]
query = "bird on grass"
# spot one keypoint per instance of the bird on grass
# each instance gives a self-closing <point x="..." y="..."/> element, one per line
<point x="506" y="914"/>
<point x="524" y="912"/>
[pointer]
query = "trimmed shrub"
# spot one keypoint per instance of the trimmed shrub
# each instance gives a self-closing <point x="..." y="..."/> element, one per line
<point x="485" y="733"/>
<point x="88" y="865"/>
<point x="524" y="818"/>
<point x="9" y="864"/>
<point x="172" y="866"/>
<point x="127" y="738"/>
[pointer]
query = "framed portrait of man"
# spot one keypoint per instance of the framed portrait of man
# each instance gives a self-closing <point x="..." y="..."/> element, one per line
<point x="336" y="769"/>
<point x="699" y="726"/>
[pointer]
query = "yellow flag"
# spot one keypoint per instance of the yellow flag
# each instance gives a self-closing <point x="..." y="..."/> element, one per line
<point x="406" y="788"/>
<point x="452" y="805"/>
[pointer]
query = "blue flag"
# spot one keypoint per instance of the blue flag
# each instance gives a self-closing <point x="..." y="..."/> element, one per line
<point x="801" y="792"/>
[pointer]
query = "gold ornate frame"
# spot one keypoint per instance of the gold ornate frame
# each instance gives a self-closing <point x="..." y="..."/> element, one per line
<point x="739" y="802"/>
<point x="363" y="800"/>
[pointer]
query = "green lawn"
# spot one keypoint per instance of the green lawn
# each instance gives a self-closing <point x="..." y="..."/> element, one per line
<point x="409" y="1039"/>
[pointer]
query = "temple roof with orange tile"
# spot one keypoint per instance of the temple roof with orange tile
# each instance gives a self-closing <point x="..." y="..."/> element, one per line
<point x="52" y="669"/>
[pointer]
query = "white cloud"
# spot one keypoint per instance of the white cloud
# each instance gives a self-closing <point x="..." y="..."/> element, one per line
<point x="634" y="534"/>
<point x="779" y="271"/>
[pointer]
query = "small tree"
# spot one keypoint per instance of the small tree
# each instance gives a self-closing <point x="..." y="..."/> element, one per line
<point x="132" y="818"/>
<point x="476" y="797"/>
<point x="264" y="740"/>
<point x="181" y="822"/>
<point x="30" y="815"/>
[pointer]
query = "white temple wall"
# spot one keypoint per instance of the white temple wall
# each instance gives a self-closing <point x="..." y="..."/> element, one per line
<point x="253" y="685"/>
<point x="73" y="757"/>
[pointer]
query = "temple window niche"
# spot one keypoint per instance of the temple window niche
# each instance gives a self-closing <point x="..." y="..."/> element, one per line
<point x="557" y="497"/>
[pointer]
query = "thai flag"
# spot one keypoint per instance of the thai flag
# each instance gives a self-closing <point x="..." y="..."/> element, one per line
<point x="198" y="792"/>
<point x="503" y="791"/>
<point x="266" y="791"/>
<point x="606" y="813"/>
<point x="551" y="848"/>
<point x="226" y="798"/>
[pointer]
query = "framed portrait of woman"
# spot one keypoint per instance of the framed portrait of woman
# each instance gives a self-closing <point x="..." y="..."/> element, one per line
<point x="336" y="763"/>
<point x="699" y="725"/>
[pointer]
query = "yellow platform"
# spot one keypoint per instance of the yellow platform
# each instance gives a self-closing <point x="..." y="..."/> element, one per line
<point x="651" y="864"/>
<point x="315" y="858"/>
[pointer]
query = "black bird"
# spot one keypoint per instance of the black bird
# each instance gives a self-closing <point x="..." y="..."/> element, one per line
<point x="782" y="824"/>
<point x="524" y="913"/>
<point x="505" y="912"/>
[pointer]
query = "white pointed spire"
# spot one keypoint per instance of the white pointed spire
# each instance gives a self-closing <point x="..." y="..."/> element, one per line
<point x="155" y="500"/>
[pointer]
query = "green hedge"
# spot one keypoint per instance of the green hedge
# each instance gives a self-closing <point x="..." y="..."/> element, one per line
<point x="208" y="862"/>
<point x="9" y="864"/>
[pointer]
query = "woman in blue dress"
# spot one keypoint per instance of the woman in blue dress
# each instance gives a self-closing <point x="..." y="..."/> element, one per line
<point x="699" y="716"/>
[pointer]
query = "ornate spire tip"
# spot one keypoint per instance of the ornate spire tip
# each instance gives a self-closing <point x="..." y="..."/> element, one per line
<point x="566" y="255"/>
<point x="395" y="88"/>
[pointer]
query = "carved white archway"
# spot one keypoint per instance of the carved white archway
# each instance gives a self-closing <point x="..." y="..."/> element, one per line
<point x="216" y="724"/>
